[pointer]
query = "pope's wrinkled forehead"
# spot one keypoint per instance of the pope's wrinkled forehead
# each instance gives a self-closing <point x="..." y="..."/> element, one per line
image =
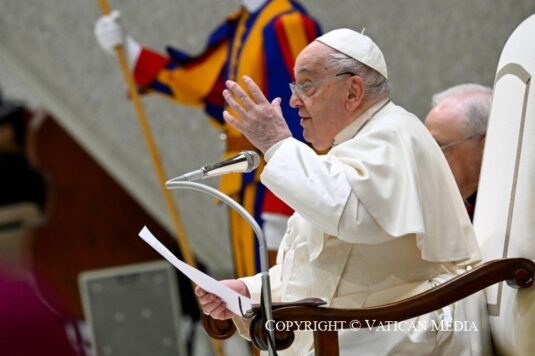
<point x="313" y="59"/>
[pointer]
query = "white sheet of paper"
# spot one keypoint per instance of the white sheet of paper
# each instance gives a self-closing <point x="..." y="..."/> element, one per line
<point x="230" y="297"/>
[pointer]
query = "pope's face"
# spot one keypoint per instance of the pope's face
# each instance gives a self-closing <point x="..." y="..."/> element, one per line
<point x="319" y="96"/>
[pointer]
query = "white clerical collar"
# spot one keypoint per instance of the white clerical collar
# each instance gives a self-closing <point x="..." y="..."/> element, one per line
<point x="351" y="130"/>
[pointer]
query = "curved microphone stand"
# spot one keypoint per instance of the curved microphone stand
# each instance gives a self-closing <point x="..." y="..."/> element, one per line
<point x="265" y="301"/>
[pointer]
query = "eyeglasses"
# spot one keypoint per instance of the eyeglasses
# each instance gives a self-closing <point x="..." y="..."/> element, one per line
<point x="304" y="89"/>
<point x="447" y="146"/>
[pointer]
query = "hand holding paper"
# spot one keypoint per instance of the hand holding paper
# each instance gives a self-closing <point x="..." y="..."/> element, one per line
<point x="232" y="299"/>
<point x="212" y="305"/>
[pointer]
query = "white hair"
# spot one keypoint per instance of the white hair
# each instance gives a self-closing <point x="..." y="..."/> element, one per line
<point x="475" y="100"/>
<point x="376" y="84"/>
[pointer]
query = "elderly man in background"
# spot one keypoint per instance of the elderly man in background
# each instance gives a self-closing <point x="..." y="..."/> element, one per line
<point x="377" y="219"/>
<point x="458" y="122"/>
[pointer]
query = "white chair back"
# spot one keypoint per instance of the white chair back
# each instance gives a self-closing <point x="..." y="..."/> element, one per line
<point x="504" y="219"/>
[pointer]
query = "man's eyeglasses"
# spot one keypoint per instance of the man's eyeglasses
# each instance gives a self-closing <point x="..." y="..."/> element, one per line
<point x="304" y="89"/>
<point x="447" y="146"/>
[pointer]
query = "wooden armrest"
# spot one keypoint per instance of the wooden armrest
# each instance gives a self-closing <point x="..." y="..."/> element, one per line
<point x="223" y="329"/>
<point x="518" y="272"/>
<point x="218" y="329"/>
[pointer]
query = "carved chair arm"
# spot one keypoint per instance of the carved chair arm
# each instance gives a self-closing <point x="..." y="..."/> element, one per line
<point x="517" y="272"/>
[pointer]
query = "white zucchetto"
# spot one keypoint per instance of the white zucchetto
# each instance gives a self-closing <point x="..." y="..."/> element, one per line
<point x="357" y="46"/>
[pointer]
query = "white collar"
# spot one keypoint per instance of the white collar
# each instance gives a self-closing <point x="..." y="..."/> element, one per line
<point x="351" y="130"/>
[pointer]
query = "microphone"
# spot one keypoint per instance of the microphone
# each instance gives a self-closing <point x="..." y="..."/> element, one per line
<point x="243" y="162"/>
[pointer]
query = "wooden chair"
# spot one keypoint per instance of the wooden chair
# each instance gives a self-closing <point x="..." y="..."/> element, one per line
<point x="517" y="272"/>
<point x="504" y="223"/>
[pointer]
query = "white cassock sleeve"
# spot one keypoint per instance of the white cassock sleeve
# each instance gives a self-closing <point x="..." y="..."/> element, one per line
<point x="385" y="183"/>
<point x="303" y="179"/>
<point x="317" y="188"/>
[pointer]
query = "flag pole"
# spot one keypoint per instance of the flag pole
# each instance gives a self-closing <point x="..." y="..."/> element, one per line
<point x="151" y="145"/>
<point x="180" y="232"/>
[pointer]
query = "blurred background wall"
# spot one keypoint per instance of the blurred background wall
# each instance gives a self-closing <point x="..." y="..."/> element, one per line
<point x="49" y="57"/>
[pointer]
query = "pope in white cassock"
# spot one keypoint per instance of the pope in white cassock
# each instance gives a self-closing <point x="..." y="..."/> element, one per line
<point x="377" y="219"/>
